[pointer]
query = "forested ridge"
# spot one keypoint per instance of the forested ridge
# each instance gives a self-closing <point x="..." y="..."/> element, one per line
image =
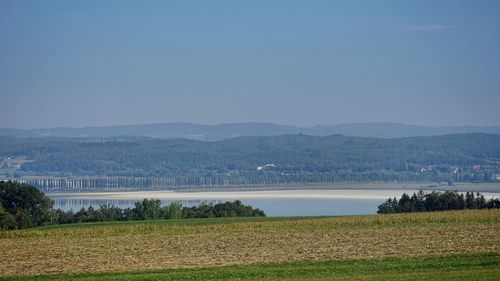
<point x="459" y="157"/>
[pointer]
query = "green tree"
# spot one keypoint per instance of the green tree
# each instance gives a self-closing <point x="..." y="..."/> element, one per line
<point x="480" y="202"/>
<point x="24" y="219"/>
<point x="7" y="220"/>
<point x="109" y="213"/>
<point x="405" y="204"/>
<point x="173" y="211"/>
<point x="418" y="201"/>
<point x="148" y="209"/>
<point x="437" y="201"/>
<point x="15" y="197"/>
<point x="386" y="207"/>
<point x="470" y="202"/>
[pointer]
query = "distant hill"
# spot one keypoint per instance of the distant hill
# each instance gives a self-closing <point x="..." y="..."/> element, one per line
<point x="396" y="130"/>
<point x="231" y="130"/>
<point x="259" y="159"/>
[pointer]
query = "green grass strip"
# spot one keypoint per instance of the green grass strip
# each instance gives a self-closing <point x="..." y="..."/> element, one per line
<point x="462" y="267"/>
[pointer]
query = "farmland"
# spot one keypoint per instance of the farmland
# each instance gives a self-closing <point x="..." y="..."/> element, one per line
<point x="267" y="247"/>
<point x="466" y="267"/>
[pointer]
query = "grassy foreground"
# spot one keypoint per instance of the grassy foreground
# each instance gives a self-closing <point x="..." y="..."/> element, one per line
<point x="468" y="267"/>
<point x="461" y="245"/>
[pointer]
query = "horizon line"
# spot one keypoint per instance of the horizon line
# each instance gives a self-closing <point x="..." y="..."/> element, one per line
<point x="248" y="123"/>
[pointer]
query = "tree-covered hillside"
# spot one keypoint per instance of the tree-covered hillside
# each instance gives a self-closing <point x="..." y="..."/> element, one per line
<point x="468" y="154"/>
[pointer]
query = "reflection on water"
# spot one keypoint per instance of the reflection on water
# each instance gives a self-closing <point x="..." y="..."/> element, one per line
<point x="273" y="203"/>
<point x="316" y="207"/>
<point x="76" y="204"/>
<point x="272" y="207"/>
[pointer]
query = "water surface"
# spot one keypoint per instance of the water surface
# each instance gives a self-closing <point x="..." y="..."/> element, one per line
<point x="273" y="202"/>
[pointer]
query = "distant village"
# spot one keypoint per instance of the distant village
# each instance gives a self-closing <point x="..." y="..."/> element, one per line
<point x="13" y="163"/>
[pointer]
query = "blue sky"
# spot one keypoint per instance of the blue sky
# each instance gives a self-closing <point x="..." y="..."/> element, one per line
<point x="95" y="63"/>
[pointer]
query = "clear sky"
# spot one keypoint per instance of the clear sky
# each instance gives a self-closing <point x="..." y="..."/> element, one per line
<point x="94" y="63"/>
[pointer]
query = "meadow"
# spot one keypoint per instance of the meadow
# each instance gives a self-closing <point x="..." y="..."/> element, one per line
<point x="453" y="245"/>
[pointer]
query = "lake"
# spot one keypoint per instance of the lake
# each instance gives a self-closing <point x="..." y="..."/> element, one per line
<point x="273" y="202"/>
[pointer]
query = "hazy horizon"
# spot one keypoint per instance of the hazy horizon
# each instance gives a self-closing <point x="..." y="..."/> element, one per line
<point x="92" y="63"/>
<point x="243" y="122"/>
<point x="247" y="122"/>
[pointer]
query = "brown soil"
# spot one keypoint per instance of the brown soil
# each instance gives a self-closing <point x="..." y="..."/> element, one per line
<point x="155" y="246"/>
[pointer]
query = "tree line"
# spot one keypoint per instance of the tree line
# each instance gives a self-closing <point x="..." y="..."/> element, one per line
<point x="437" y="201"/>
<point x="151" y="209"/>
<point x="268" y="178"/>
<point x="24" y="206"/>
